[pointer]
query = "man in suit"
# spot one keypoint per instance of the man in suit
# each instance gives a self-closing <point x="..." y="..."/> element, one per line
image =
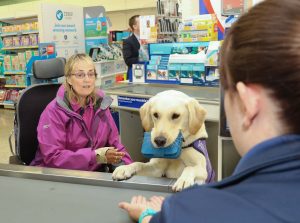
<point x="131" y="45"/>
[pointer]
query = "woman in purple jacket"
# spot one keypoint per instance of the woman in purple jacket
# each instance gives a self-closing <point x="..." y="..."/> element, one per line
<point x="76" y="130"/>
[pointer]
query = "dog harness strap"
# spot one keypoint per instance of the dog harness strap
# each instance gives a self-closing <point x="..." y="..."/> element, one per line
<point x="192" y="144"/>
<point x="200" y="146"/>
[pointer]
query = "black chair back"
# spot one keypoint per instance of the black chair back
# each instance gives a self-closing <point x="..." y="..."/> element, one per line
<point x="29" y="108"/>
<point x="32" y="103"/>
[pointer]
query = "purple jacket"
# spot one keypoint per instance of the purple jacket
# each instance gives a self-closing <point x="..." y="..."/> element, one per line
<point x="64" y="141"/>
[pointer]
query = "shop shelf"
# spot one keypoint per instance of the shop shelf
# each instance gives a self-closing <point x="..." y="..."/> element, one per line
<point x="7" y="105"/>
<point x="14" y="73"/>
<point x="14" y="86"/>
<point x="20" y="47"/>
<point x="19" y="33"/>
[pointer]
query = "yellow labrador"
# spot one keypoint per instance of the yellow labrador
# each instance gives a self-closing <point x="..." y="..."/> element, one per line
<point x="165" y="115"/>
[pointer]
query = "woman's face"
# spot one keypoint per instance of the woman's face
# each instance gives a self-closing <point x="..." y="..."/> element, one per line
<point x="83" y="78"/>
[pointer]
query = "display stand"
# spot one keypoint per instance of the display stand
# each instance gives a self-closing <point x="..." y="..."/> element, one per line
<point x="168" y="20"/>
<point x="108" y="71"/>
<point x="109" y="63"/>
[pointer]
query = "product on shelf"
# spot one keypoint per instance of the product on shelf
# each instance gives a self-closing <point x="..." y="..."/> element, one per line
<point x="105" y="52"/>
<point x="16" y="41"/>
<point x="7" y="29"/>
<point x="33" y="39"/>
<point x="9" y="96"/>
<point x="168" y="8"/>
<point x="212" y="76"/>
<point x="28" y="55"/>
<point x="7" y="63"/>
<point x="168" y="20"/>
<point x="16" y="28"/>
<point x="8" y="41"/>
<point x="22" y="57"/>
<point x="15" y="63"/>
<point x="14" y="94"/>
<point x="25" y="40"/>
<point x="199" y="28"/>
<point x="25" y="27"/>
<point x="2" y="95"/>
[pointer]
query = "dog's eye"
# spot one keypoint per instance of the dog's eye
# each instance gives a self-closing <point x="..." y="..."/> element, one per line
<point x="155" y="115"/>
<point x="175" y="116"/>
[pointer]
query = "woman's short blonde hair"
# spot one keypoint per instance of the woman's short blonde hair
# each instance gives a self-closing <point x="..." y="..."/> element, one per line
<point x="69" y="69"/>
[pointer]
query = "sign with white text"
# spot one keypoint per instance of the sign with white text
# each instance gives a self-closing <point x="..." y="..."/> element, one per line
<point x="63" y="26"/>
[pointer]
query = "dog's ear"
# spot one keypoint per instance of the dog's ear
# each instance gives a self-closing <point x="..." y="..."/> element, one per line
<point x="196" y="115"/>
<point x="146" y="116"/>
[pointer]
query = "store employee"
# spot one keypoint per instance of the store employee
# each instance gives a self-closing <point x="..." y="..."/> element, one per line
<point x="260" y="74"/>
<point x="131" y="45"/>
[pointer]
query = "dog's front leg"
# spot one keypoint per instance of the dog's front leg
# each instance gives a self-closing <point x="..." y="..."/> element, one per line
<point x="126" y="171"/>
<point x="154" y="168"/>
<point x="194" y="171"/>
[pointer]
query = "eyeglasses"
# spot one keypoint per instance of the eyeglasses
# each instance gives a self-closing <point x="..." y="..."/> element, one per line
<point x="81" y="74"/>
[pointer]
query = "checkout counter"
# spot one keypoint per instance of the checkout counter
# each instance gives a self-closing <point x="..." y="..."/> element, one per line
<point x="129" y="97"/>
<point x="35" y="194"/>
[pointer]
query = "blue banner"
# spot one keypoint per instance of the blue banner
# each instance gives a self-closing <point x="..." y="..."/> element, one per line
<point x="131" y="102"/>
<point x="166" y="48"/>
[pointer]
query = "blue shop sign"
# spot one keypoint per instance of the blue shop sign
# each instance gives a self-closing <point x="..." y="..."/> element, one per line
<point x="131" y="102"/>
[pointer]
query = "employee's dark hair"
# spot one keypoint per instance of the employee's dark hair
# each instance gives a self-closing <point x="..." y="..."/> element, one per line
<point x="132" y="21"/>
<point x="263" y="47"/>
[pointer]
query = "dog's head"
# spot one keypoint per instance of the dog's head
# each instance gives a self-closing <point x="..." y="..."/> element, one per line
<point x="168" y="113"/>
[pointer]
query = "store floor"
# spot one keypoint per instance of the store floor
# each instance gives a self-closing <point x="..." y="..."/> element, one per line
<point x="6" y="127"/>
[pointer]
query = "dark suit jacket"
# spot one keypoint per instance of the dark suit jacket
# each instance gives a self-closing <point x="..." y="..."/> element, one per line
<point x="131" y="48"/>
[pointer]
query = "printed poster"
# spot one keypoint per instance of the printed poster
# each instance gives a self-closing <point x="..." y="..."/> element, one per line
<point x="63" y="25"/>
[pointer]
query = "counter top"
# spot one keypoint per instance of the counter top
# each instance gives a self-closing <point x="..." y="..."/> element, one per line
<point x="35" y="194"/>
<point x="131" y="96"/>
<point x="149" y="90"/>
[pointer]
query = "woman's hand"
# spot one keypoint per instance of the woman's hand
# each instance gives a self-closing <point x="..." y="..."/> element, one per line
<point x="113" y="156"/>
<point x="139" y="204"/>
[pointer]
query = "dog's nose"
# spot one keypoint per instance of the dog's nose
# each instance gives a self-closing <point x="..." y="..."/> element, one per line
<point x="160" y="141"/>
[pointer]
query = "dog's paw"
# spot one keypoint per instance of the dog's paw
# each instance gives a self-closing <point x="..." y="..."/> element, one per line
<point x="183" y="182"/>
<point x="122" y="173"/>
